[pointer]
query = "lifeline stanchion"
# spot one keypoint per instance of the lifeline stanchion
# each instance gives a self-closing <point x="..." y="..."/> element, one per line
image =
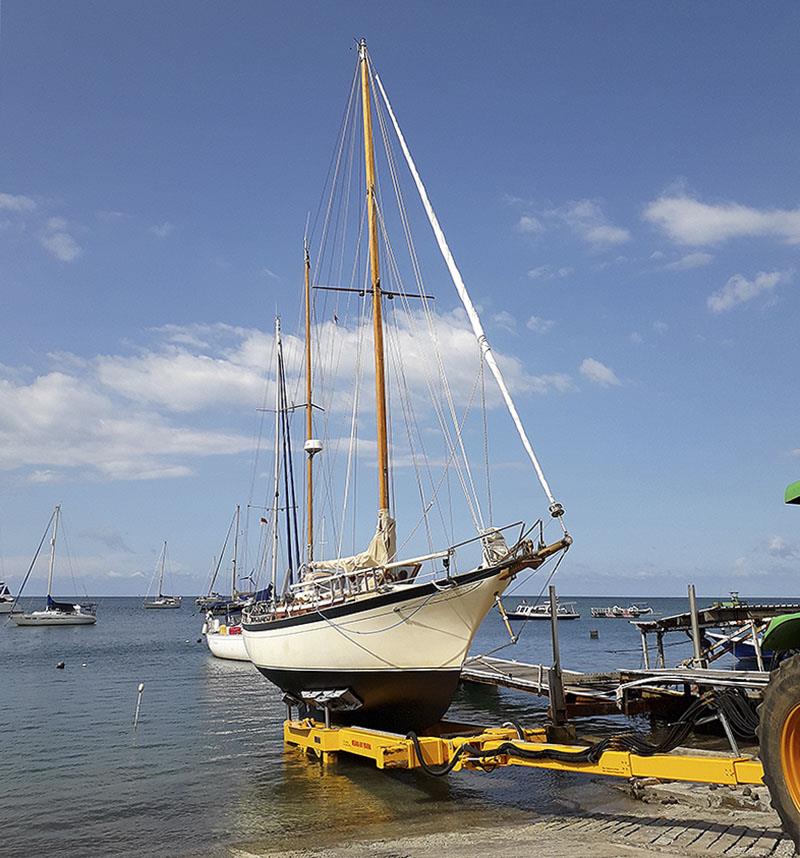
<point x="138" y="705"/>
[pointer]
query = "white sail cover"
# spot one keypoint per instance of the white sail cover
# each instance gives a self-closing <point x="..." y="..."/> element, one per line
<point x="380" y="551"/>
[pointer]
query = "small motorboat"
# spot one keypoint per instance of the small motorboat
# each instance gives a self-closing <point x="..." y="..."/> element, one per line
<point x="617" y="612"/>
<point x="541" y="611"/>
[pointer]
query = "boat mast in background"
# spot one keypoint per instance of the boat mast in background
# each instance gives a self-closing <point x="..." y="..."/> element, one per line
<point x="234" y="590"/>
<point x="51" y="565"/>
<point x="377" y="315"/>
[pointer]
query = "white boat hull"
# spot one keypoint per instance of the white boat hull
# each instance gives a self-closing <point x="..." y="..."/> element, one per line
<point x="53" y="618"/>
<point x="5" y="608"/>
<point x="227" y="646"/>
<point x="400" y="652"/>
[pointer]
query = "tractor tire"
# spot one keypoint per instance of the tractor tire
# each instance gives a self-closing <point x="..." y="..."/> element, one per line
<point x="779" y="744"/>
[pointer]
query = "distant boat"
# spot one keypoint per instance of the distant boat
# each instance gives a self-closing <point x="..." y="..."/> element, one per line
<point x="209" y="599"/>
<point x="619" y="613"/>
<point x="56" y="613"/>
<point x="162" y="600"/>
<point x="525" y="611"/>
<point x="7" y="601"/>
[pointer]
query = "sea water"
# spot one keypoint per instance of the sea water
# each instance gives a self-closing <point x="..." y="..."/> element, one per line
<point x="206" y="770"/>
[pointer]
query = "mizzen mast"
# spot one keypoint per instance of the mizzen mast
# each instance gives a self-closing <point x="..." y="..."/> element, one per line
<point x="374" y="261"/>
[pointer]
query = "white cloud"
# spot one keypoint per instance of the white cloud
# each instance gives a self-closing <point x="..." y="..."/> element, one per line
<point x="587" y="219"/>
<point x="61" y="245"/>
<point x="777" y="546"/>
<point x="155" y="413"/>
<point x="688" y="221"/>
<point x="268" y="272"/>
<point x="162" y="230"/>
<point x="599" y="373"/>
<point x="548" y="272"/>
<point x="60" y="421"/>
<point x="660" y="327"/>
<point x="539" y="325"/>
<point x="691" y="260"/>
<point x="17" y="203"/>
<point x="530" y="224"/>
<point x="636" y="338"/>
<point x="739" y="290"/>
<point x="657" y="254"/>
<point x="506" y="321"/>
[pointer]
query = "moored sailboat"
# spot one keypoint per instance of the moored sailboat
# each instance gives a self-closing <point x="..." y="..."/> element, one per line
<point x="162" y="600"/>
<point x="7" y="602"/>
<point x="55" y="613"/>
<point x="222" y="628"/>
<point x="372" y="637"/>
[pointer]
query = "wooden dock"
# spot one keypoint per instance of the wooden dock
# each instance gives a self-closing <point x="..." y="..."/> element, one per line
<point x="660" y="692"/>
<point x="585" y="693"/>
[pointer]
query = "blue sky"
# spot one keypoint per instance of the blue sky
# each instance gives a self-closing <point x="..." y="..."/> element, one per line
<point x="619" y="184"/>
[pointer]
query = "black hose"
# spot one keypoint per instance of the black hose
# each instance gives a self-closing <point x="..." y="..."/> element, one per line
<point x="676" y="735"/>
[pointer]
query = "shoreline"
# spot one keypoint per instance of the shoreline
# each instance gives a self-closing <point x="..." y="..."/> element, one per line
<point x="669" y="819"/>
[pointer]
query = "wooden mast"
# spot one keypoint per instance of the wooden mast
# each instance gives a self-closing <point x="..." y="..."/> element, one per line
<point x="377" y="315"/>
<point x="309" y="415"/>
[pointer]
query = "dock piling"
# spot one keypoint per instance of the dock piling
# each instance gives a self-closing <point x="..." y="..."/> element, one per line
<point x="558" y="706"/>
<point x="697" y="644"/>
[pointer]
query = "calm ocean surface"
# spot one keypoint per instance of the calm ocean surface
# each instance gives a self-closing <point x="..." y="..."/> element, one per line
<point x="207" y="771"/>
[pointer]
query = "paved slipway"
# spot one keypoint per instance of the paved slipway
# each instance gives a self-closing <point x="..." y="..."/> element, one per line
<point x="671" y="821"/>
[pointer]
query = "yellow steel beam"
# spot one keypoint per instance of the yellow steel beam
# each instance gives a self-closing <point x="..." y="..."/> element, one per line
<point x="389" y="750"/>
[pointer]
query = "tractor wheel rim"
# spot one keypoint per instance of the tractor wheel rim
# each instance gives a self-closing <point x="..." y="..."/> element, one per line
<point x="790" y="754"/>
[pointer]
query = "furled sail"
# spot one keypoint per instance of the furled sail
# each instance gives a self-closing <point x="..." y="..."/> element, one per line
<point x="380" y="551"/>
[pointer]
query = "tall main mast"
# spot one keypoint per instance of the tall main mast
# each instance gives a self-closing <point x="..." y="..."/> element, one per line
<point x="377" y="314"/>
<point x="310" y="450"/>
<point x="277" y="460"/>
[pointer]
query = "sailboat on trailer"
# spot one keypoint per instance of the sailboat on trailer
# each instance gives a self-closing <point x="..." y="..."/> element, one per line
<point x="370" y="637"/>
<point x="162" y="600"/>
<point x="55" y="613"/>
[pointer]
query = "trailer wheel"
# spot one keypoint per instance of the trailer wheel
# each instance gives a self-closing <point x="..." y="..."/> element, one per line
<point x="779" y="743"/>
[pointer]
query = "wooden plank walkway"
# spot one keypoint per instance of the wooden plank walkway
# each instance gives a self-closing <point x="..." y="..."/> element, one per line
<point x="665" y="834"/>
<point x="585" y="693"/>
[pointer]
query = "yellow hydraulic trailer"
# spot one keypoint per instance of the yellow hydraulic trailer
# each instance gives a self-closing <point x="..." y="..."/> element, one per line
<point x="393" y="751"/>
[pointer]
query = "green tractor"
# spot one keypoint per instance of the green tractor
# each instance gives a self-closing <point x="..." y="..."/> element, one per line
<point x="779" y="714"/>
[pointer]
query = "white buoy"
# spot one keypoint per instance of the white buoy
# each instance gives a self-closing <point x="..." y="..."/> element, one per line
<point x="138" y="705"/>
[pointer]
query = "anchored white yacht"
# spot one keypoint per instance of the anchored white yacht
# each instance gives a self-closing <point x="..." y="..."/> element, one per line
<point x="162" y="600"/>
<point x="55" y="613"/>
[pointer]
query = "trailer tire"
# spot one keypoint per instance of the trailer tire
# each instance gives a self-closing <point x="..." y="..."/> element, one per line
<point x="779" y="744"/>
